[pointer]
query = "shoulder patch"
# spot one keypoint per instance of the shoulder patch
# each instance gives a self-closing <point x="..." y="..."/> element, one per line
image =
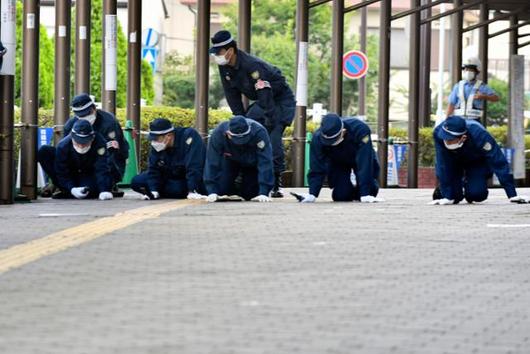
<point x="487" y="147"/>
<point x="101" y="151"/>
<point x="366" y="139"/>
<point x="255" y="75"/>
<point x="260" y="85"/>
<point x="112" y="134"/>
<point x="261" y="144"/>
<point x="189" y="140"/>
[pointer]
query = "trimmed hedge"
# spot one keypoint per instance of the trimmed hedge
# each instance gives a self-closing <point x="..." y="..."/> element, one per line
<point x="186" y="117"/>
<point x="178" y="116"/>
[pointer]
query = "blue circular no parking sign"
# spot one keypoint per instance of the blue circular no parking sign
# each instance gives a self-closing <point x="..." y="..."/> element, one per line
<point x="355" y="64"/>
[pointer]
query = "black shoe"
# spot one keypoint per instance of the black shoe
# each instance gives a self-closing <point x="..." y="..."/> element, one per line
<point x="47" y="191"/>
<point x="437" y="194"/>
<point x="116" y="192"/>
<point x="61" y="194"/>
<point x="277" y="191"/>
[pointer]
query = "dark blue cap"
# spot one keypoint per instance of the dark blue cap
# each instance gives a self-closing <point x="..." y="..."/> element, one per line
<point x="82" y="105"/>
<point x="82" y="132"/>
<point x="330" y="129"/>
<point x="220" y="40"/>
<point x="452" y="128"/>
<point x="159" y="126"/>
<point x="239" y="130"/>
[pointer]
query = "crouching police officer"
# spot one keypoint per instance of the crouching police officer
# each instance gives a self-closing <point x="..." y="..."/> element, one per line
<point x="240" y="146"/>
<point x="274" y="106"/>
<point x="81" y="165"/>
<point x="176" y="163"/>
<point x="466" y="157"/>
<point x="103" y="123"/>
<point x="338" y="147"/>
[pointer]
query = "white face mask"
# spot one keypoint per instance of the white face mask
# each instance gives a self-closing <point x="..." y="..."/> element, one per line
<point x="91" y="118"/>
<point x="81" y="150"/>
<point x="468" y="75"/>
<point x="220" y="60"/>
<point x="158" y="146"/>
<point x="454" y="146"/>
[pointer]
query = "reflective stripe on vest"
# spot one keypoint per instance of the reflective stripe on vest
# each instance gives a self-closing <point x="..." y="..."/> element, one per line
<point x="465" y="107"/>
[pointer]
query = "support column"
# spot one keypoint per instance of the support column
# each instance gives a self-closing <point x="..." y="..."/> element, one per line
<point x="362" y="81"/>
<point x="30" y="98"/>
<point x="337" y="48"/>
<point x="483" y="52"/>
<point x="457" y="23"/>
<point x="82" y="46"/>
<point x="63" y="16"/>
<point x="134" y="61"/>
<point x="384" y="88"/>
<point x="299" y="138"/>
<point x="514" y="50"/>
<point x="414" y="84"/>
<point x="7" y="102"/>
<point x="202" y="68"/>
<point x="244" y="32"/>
<point x="514" y="36"/>
<point x="110" y="56"/>
<point x="424" y="110"/>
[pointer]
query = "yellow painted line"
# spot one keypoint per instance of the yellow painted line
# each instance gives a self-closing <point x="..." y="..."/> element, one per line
<point x="25" y="253"/>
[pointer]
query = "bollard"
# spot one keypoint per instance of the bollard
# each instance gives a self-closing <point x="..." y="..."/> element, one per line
<point x="131" y="168"/>
<point x="308" y="139"/>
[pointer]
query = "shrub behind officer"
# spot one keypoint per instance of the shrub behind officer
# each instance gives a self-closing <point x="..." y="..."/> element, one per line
<point x="103" y="123"/>
<point x="338" y="147"/>
<point x="176" y="163"/>
<point x="81" y="164"/>
<point x="466" y="157"/>
<point x="239" y="146"/>
<point x="259" y="81"/>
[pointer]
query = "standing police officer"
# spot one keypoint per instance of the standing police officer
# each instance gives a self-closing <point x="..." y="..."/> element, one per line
<point x="81" y="164"/>
<point x="176" y="163"/>
<point x="274" y="106"/>
<point x="103" y="123"/>
<point x="468" y="96"/>
<point x="466" y="157"/>
<point x="239" y="146"/>
<point x="340" y="146"/>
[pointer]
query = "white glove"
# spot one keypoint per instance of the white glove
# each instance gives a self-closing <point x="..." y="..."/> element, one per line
<point x="105" y="196"/>
<point x="262" y="199"/>
<point x="113" y="144"/>
<point x="371" y="199"/>
<point x="79" y="192"/>
<point x="520" y="199"/>
<point x="212" y="198"/>
<point x="308" y="198"/>
<point x="195" y="196"/>
<point x="443" y="201"/>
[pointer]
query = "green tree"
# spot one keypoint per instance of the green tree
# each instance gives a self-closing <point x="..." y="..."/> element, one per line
<point x="179" y="81"/>
<point x="273" y="39"/>
<point x="46" y="80"/>
<point x="96" y="60"/>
